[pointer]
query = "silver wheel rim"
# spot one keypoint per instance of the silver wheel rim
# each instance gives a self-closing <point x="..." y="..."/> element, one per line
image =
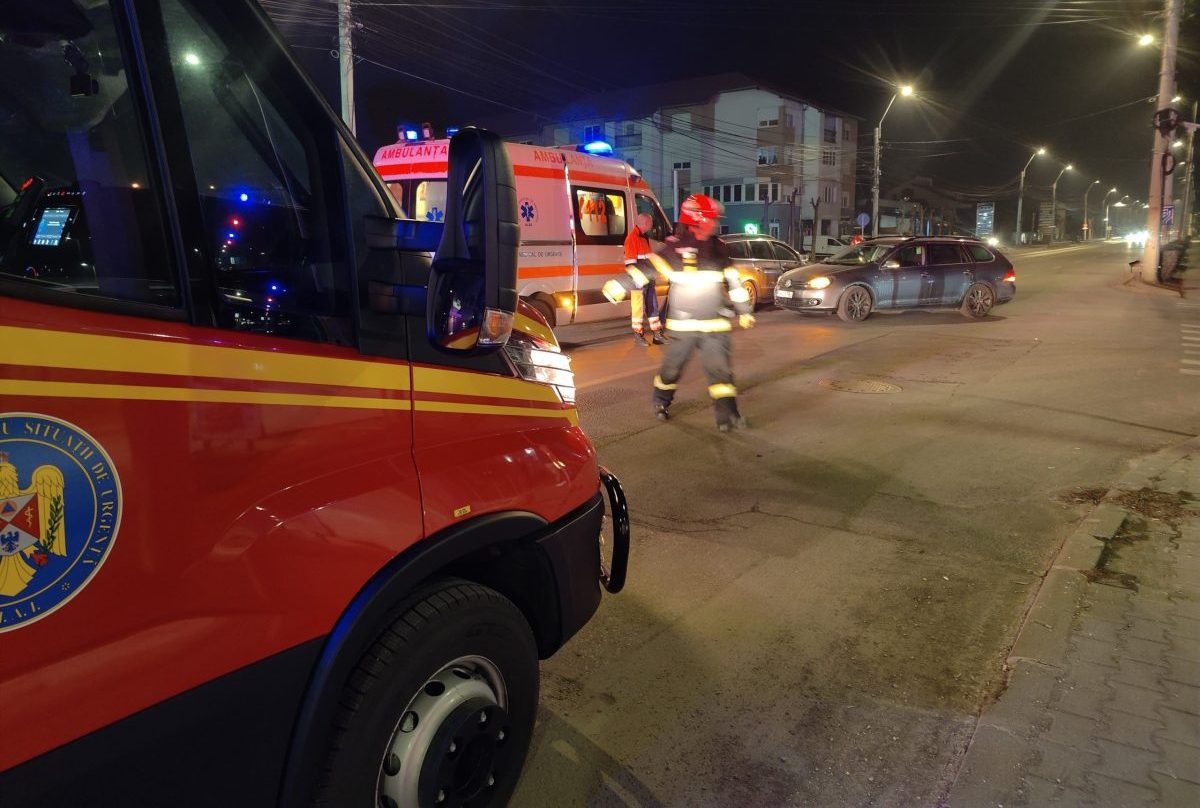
<point x="858" y="303"/>
<point x="979" y="301"/>
<point x="466" y="678"/>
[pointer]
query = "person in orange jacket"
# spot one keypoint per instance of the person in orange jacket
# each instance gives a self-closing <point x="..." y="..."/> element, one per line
<point x="643" y="303"/>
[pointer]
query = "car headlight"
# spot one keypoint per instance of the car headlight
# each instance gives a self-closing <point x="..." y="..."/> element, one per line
<point x="818" y="283"/>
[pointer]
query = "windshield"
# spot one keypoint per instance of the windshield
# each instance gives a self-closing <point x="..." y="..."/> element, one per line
<point x="861" y="254"/>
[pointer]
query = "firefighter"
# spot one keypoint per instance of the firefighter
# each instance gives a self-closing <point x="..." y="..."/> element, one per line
<point x="703" y="285"/>
<point x="643" y="303"/>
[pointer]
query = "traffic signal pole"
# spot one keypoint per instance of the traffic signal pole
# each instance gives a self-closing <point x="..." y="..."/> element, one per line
<point x="1160" y="181"/>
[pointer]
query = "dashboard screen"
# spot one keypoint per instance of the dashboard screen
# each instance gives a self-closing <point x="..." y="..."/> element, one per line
<point x="50" y="227"/>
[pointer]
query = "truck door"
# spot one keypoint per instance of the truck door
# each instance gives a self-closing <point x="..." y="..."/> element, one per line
<point x="204" y="449"/>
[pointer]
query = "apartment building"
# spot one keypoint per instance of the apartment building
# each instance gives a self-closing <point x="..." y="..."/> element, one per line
<point x="780" y="164"/>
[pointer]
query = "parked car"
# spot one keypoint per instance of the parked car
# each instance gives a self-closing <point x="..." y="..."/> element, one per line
<point x="760" y="261"/>
<point x="900" y="273"/>
<point x="830" y="245"/>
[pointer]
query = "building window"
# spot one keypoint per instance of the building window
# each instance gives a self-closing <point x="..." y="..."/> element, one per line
<point x="768" y="155"/>
<point x="592" y="133"/>
<point x="845" y="200"/>
<point x="846" y="133"/>
<point x="791" y="121"/>
<point x="724" y="230"/>
<point x="762" y="192"/>
<point x="768" y="116"/>
<point x="774" y="192"/>
<point x="827" y="194"/>
<point x="831" y="130"/>
<point x="826" y="227"/>
<point x="828" y="157"/>
<point x="737" y="192"/>
<point x="632" y="128"/>
<point x="774" y="228"/>
<point x="683" y="165"/>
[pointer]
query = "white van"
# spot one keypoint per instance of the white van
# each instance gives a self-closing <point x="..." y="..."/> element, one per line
<point x="575" y="211"/>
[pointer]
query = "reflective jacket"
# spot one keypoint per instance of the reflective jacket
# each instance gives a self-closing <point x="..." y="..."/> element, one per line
<point x="704" y="284"/>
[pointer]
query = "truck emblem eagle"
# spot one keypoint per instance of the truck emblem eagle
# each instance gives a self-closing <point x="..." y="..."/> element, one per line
<point x="60" y="509"/>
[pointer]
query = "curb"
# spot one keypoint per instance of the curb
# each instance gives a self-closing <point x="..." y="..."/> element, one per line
<point x="991" y="765"/>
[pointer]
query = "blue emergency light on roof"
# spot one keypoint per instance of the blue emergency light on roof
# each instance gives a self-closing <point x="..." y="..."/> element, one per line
<point x="451" y="131"/>
<point x="597" y="147"/>
<point x="412" y="134"/>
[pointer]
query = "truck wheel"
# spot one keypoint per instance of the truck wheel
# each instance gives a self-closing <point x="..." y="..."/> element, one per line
<point x="439" y="712"/>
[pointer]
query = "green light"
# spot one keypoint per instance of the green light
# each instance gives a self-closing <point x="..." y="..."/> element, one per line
<point x="751" y="228"/>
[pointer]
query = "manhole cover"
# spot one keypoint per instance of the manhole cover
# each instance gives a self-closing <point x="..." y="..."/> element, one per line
<point x="860" y="386"/>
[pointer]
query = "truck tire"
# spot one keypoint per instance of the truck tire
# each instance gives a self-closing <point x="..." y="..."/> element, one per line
<point x="440" y="710"/>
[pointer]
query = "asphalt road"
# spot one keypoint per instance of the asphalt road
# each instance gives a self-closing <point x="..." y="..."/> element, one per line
<point x="819" y="606"/>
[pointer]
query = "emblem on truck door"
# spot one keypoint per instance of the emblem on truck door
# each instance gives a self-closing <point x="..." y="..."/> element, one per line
<point x="60" y="509"/>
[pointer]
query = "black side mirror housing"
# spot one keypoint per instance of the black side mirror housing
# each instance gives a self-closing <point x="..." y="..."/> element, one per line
<point x="473" y="281"/>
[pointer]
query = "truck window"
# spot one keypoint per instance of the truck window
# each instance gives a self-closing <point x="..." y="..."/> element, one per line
<point x="79" y="209"/>
<point x="662" y="227"/>
<point x="265" y="170"/>
<point x="599" y="216"/>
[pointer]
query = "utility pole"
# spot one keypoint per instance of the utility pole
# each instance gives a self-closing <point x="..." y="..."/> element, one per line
<point x="1087" y="228"/>
<point x="874" y="185"/>
<point x="346" y="63"/>
<point x="1160" y="182"/>
<point x="816" y="206"/>
<point x="1189" y="174"/>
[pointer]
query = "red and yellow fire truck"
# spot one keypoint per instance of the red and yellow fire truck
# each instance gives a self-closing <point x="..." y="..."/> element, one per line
<point x="574" y="210"/>
<point x="293" y="492"/>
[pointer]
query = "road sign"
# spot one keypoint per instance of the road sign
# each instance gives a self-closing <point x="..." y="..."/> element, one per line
<point x="863" y="219"/>
<point x="985" y="219"/>
<point x="1168" y="218"/>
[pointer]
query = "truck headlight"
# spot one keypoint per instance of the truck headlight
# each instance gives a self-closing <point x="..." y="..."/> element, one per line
<point x="543" y="364"/>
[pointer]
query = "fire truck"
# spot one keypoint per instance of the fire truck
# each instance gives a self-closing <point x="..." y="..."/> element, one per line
<point x="293" y="491"/>
<point x="575" y="209"/>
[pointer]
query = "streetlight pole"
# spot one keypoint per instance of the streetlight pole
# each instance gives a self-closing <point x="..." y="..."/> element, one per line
<point x="1107" y="227"/>
<point x="346" y="62"/>
<point x="1054" y="203"/>
<point x="1087" y="227"/>
<point x="1021" y="192"/>
<point x="1188" y="174"/>
<point x="905" y="91"/>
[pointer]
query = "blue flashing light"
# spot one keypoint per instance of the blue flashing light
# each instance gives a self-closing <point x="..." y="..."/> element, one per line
<point x="412" y="134"/>
<point x="597" y="147"/>
<point x="231" y="235"/>
<point x="245" y="197"/>
<point x="451" y="131"/>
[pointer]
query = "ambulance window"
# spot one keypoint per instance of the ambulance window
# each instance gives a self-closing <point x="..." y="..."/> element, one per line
<point x="430" y="202"/>
<point x="396" y="189"/>
<point x="662" y="227"/>
<point x="80" y="211"/>
<point x="267" y="196"/>
<point x="599" y="216"/>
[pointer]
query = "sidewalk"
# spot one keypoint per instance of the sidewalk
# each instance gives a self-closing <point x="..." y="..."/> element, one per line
<point x="1103" y="702"/>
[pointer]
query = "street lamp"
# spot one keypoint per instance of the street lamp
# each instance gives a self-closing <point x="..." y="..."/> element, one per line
<point x="1054" y="202"/>
<point x="905" y="91"/>
<point x="1021" y="191"/>
<point x="1107" y="227"/>
<point x="1087" y="235"/>
<point x="1146" y="39"/>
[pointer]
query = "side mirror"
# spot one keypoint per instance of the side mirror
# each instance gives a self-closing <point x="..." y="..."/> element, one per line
<point x="473" y="281"/>
<point x="891" y="264"/>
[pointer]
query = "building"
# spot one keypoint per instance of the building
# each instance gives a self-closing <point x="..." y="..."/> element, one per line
<point x="918" y="207"/>
<point x="769" y="156"/>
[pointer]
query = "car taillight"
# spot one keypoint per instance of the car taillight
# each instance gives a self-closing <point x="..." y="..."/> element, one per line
<point x="1010" y="276"/>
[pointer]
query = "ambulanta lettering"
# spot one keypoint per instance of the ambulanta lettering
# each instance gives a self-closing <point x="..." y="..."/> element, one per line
<point x="410" y="152"/>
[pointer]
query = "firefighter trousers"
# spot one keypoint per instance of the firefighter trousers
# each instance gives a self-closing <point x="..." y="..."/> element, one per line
<point x="715" y="350"/>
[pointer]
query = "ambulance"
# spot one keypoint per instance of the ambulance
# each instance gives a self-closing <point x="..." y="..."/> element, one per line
<point x="293" y="491"/>
<point x="575" y="211"/>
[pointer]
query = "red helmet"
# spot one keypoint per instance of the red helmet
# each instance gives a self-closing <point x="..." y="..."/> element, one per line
<point x="699" y="208"/>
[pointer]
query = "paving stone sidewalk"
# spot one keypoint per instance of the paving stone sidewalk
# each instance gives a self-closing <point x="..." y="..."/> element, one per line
<point x="1103" y="702"/>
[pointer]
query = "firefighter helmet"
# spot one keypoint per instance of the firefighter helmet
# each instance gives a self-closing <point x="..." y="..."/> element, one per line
<point x="698" y="208"/>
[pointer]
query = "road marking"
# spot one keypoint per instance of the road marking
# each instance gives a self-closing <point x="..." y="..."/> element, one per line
<point x="1189" y="327"/>
<point x="1190" y="361"/>
<point x="1190" y="372"/>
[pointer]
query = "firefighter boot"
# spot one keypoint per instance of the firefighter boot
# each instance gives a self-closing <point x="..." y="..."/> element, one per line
<point x="639" y="340"/>
<point x="728" y="417"/>
<point x="661" y="412"/>
<point x="657" y="338"/>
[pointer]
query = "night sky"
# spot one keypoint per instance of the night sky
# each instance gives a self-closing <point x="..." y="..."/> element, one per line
<point x="994" y="79"/>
